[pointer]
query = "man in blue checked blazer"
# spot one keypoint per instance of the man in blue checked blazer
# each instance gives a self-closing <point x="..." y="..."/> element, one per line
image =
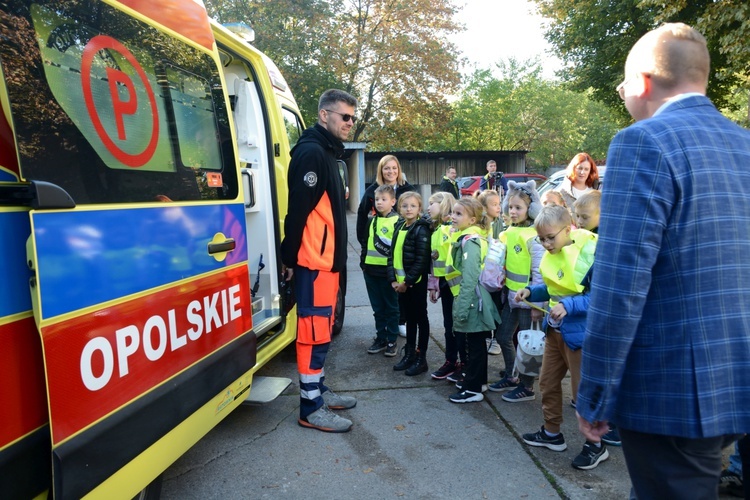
<point x="667" y="352"/>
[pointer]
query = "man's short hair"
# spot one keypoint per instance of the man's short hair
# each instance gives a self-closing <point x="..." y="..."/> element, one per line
<point x="553" y="215"/>
<point x="592" y="198"/>
<point x="491" y="162"/>
<point x="673" y="53"/>
<point x="332" y="96"/>
<point x="449" y="168"/>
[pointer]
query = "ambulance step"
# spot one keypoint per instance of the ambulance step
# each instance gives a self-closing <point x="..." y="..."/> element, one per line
<point x="266" y="389"/>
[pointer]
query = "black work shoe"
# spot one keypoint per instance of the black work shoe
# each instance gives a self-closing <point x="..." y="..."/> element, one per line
<point x="378" y="345"/>
<point x="419" y="366"/>
<point x="590" y="456"/>
<point x="409" y="357"/>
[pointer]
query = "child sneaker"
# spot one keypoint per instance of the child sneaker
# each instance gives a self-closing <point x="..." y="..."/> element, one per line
<point x="444" y="371"/>
<point x="466" y="397"/>
<point x="493" y="347"/>
<point x="502" y="385"/>
<point x="590" y="456"/>
<point x="520" y="393"/>
<point x="540" y="438"/>
<point x="458" y="375"/>
<point x="377" y="346"/>
<point x="390" y="350"/>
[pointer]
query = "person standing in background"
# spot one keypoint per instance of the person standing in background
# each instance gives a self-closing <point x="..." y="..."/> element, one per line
<point x="488" y="181"/>
<point x="314" y="252"/>
<point x="667" y="352"/>
<point x="448" y="184"/>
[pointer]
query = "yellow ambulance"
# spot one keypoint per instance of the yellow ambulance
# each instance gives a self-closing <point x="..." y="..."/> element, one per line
<point x="143" y="160"/>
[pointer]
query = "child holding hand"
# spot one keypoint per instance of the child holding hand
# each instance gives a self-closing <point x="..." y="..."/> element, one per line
<point x="566" y="263"/>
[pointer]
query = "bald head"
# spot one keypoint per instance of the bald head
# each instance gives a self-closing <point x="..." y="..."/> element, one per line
<point x="676" y="57"/>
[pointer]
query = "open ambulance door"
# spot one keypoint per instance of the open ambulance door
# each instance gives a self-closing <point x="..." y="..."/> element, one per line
<point x="140" y="288"/>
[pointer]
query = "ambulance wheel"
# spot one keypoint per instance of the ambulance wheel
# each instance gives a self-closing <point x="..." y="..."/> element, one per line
<point x="152" y="491"/>
<point x="338" y="321"/>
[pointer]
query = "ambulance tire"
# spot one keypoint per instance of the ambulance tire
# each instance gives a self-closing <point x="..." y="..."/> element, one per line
<point x="152" y="491"/>
<point x="340" y="310"/>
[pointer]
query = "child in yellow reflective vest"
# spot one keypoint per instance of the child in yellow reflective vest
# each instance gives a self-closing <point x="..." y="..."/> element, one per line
<point x="522" y="258"/>
<point x="374" y="263"/>
<point x="440" y="208"/>
<point x="408" y="266"/>
<point x="565" y="267"/>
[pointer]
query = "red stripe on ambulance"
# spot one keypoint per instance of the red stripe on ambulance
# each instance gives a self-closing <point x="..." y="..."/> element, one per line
<point x="109" y="357"/>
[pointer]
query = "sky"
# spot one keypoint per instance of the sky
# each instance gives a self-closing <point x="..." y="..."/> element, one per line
<point x="498" y="29"/>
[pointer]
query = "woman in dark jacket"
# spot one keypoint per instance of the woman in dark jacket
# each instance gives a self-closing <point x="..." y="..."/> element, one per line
<point x="389" y="172"/>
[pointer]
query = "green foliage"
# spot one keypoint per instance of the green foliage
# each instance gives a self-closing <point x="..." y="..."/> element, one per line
<point x="593" y="38"/>
<point x="520" y="110"/>
<point x="396" y="57"/>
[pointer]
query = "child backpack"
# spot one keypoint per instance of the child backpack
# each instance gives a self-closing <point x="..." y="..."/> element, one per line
<point x="492" y="276"/>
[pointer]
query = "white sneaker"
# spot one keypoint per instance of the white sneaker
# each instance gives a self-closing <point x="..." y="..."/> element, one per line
<point x="493" y="347"/>
<point x="402" y="330"/>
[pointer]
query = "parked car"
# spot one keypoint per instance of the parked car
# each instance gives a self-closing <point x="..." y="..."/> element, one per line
<point x="467" y="185"/>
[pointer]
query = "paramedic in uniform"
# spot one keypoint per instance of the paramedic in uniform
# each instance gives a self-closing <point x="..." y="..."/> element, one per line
<point x="314" y="253"/>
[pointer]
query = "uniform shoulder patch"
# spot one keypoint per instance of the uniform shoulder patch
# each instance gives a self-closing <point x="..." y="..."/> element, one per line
<point x="311" y="179"/>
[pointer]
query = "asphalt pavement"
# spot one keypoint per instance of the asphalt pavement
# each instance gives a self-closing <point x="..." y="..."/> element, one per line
<point x="408" y="440"/>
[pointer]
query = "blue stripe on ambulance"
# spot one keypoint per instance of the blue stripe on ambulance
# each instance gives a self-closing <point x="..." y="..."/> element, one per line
<point x="117" y="253"/>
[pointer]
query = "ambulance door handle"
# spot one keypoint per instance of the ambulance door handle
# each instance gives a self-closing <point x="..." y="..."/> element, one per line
<point x="249" y="188"/>
<point x="222" y="246"/>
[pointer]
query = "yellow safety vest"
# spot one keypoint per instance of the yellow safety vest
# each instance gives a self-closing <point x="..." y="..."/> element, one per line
<point x="517" y="257"/>
<point x="454" y="281"/>
<point x="380" y="239"/>
<point x="398" y="253"/>
<point x="563" y="272"/>
<point x="441" y="243"/>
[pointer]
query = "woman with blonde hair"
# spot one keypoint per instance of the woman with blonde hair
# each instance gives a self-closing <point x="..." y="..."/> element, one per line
<point x="389" y="173"/>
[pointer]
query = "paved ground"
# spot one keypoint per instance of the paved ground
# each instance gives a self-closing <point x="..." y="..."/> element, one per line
<point x="408" y="440"/>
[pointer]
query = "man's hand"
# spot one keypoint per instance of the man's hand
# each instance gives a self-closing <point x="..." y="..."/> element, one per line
<point x="287" y="272"/>
<point x="592" y="432"/>
<point x="434" y="294"/>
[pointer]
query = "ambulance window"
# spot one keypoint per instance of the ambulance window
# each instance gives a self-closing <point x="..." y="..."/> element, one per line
<point x="111" y="109"/>
<point x="293" y="124"/>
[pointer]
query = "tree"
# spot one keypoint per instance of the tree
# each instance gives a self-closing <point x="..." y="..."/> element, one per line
<point x="593" y="38"/>
<point x="396" y="57"/>
<point x="521" y="110"/>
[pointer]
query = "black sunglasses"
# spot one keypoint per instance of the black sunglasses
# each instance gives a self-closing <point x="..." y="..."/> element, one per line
<point x="344" y="116"/>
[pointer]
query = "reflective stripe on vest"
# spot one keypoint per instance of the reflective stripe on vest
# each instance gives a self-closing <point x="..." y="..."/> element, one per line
<point x="518" y="258"/>
<point x="440" y="242"/>
<point x="398" y="253"/>
<point x="454" y="282"/>
<point x="564" y="271"/>
<point x="380" y="240"/>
